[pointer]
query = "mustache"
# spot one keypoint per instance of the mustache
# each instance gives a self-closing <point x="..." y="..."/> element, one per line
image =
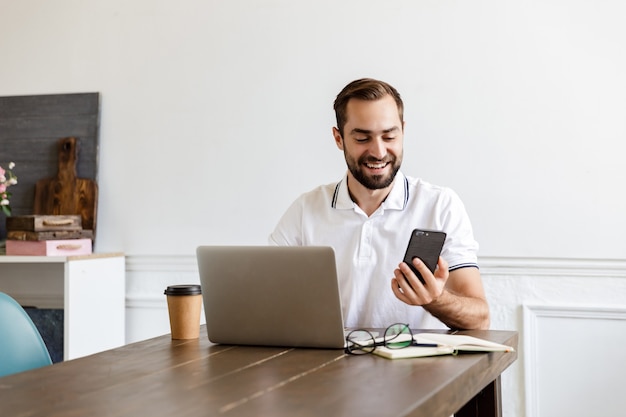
<point x="372" y="160"/>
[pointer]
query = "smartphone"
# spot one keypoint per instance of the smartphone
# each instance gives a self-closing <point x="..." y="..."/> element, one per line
<point x="426" y="245"/>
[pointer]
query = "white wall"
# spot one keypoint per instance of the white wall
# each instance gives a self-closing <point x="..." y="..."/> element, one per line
<point x="217" y="114"/>
<point x="214" y="112"/>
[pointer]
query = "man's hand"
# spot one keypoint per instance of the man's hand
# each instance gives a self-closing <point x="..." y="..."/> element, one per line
<point x="456" y="298"/>
<point x="408" y="288"/>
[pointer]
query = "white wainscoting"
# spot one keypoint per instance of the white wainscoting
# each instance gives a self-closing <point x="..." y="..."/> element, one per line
<point x="575" y="361"/>
<point x="516" y="285"/>
<point x="146" y="280"/>
<point x="545" y="300"/>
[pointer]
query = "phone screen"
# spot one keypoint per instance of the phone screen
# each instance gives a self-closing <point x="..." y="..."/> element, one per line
<point x="425" y="245"/>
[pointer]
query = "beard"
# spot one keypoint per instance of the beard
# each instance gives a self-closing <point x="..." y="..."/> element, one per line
<point x="373" y="182"/>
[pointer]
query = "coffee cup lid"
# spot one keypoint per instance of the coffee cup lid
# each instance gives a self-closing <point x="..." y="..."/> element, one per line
<point x="187" y="289"/>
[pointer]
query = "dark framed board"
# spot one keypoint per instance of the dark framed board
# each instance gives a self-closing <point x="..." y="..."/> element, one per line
<point x="30" y="128"/>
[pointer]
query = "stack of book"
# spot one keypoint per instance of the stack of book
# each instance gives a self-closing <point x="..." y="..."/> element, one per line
<point x="47" y="235"/>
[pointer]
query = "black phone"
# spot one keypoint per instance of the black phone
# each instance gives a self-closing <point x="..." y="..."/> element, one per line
<point x="426" y="245"/>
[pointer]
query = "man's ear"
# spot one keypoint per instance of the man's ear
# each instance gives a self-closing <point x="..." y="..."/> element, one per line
<point x="338" y="138"/>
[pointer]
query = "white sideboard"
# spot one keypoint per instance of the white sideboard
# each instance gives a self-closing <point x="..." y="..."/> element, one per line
<point x="90" y="289"/>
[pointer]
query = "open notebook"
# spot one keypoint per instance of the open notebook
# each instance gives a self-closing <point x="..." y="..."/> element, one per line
<point x="446" y="344"/>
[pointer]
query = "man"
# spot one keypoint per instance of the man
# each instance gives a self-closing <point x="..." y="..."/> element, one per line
<point x="368" y="216"/>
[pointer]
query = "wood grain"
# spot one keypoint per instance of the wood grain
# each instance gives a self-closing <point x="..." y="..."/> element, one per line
<point x="50" y="235"/>
<point x="164" y="377"/>
<point x="42" y="223"/>
<point x="66" y="193"/>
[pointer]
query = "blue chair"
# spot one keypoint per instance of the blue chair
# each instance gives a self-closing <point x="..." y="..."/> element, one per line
<point x="21" y="345"/>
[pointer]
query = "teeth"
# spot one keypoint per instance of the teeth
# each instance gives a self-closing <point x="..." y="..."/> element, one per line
<point x="376" y="166"/>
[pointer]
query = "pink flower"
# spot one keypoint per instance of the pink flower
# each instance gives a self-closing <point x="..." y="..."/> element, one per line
<point x="4" y="184"/>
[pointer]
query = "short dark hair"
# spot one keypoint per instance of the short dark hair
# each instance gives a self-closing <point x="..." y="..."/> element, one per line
<point x="367" y="89"/>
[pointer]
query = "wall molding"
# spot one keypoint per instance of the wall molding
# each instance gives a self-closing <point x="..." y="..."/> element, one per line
<point x="161" y="263"/>
<point x="532" y="314"/>
<point x="553" y="267"/>
<point x="139" y="267"/>
<point x="488" y="265"/>
<point x="138" y="301"/>
<point x="147" y="276"/>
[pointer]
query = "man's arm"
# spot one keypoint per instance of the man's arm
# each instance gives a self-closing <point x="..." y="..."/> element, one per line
<point x="456" y="298"/>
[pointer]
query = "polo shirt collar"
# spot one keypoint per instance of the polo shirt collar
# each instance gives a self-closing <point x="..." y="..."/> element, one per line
<point x="396" y="200"/>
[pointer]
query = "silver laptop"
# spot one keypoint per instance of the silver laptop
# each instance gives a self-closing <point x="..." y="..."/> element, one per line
<point x="271" y="295"/>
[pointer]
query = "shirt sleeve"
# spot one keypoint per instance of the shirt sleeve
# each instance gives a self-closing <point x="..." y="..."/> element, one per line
<point x="460" y="249"/>
<point x="288" y="231"/>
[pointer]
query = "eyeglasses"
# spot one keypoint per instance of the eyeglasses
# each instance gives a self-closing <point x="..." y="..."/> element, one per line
<point x="396" y="336"/>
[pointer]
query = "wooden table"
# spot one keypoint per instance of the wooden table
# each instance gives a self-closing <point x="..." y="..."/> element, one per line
<point x="161" y="377"/>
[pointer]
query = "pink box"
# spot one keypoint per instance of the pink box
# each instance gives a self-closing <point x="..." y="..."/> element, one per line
<point x="67" y="247"/>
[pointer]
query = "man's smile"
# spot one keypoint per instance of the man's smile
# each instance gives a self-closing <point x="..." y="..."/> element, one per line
<point x="379" y="165"/>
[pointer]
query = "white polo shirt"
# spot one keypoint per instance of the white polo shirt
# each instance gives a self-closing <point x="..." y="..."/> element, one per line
<point x="368" y="249"/>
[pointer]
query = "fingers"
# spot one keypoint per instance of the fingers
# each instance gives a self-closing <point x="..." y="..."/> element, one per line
<point x="430" y="278"/>
<point x="396" y="287"/>
<point x="442" y="267"/>
<point x="408" y="288"/>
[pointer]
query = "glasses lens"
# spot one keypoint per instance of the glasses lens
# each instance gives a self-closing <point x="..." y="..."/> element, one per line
<point x="360" y="342"/>
<point x="398" y="336"/>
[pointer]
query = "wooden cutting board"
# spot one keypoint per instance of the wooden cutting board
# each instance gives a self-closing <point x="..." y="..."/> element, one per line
<point x="67" y="194"/>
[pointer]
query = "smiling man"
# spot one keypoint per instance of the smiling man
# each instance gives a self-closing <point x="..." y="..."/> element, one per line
<point x="368" y="216"/>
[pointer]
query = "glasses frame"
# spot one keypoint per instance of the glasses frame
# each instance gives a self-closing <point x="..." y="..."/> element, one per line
<point x="390" y="340"/>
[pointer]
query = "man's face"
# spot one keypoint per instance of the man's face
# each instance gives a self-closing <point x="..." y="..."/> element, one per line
<point x="372" y="141"/>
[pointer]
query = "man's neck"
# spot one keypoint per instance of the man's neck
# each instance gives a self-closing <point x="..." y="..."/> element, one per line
<point x="368" y="200"/>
